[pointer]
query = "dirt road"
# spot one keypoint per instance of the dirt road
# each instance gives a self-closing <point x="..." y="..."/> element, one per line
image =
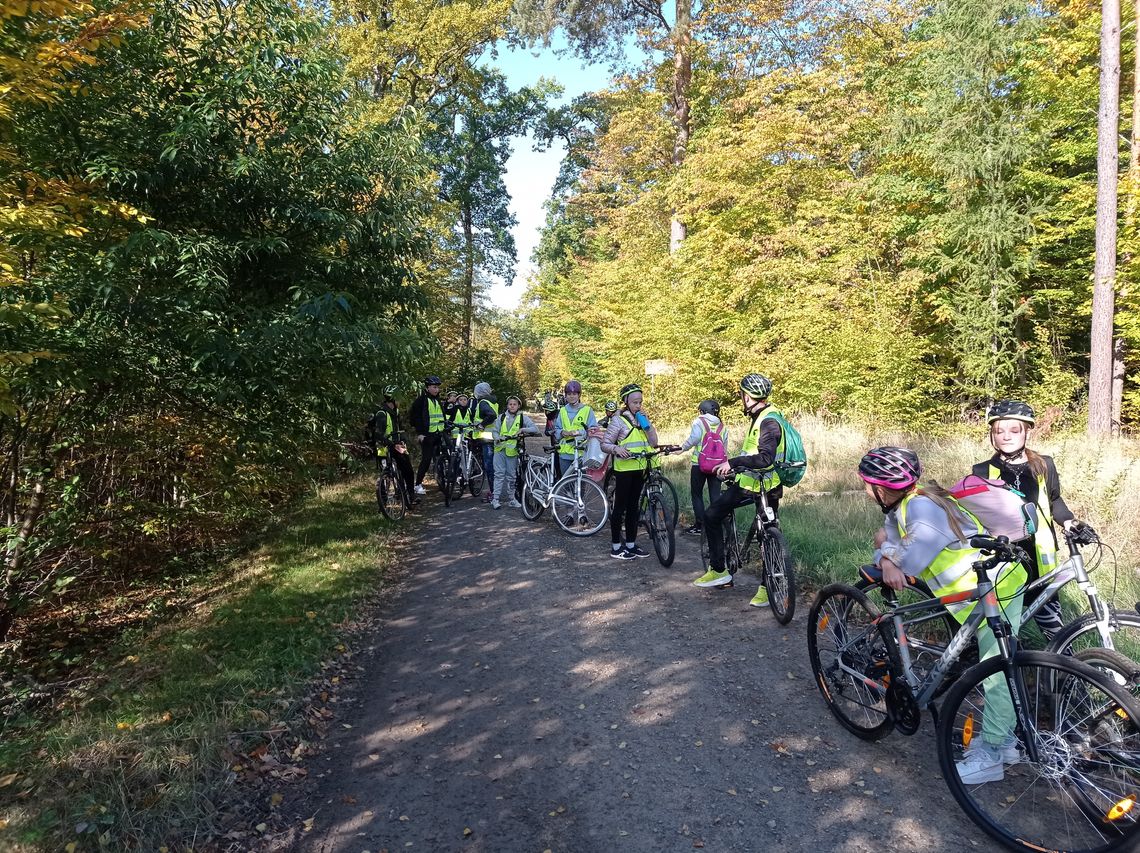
<point x="525" y="692"/>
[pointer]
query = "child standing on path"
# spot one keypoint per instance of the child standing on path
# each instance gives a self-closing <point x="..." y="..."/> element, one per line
<point x="708" y="421"/>
<point x="510" y="426"/>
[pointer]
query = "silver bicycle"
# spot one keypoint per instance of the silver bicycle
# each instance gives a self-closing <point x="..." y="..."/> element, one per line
<point x="578" y="504"/>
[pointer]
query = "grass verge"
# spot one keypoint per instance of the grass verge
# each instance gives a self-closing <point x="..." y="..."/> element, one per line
<point x="142" y="758"/>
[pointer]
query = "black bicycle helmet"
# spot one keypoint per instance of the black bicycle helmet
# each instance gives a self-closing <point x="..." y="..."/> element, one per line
<point x="1011" y="410"/>
<point x="891" y="467"/>
<point x="709" y="407"/>
<point x="550" y="405"/>
<point x="631" y="388"/>
<point x="431" y="380"/>
<point x="756" y="385"/>
<point x="611" y="407"/>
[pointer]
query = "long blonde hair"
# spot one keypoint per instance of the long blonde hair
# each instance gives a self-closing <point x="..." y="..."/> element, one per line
<point x="954" y="515"/>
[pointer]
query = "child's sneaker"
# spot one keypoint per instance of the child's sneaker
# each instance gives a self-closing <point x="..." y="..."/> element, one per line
<point x="695" y="530"/>
<point x="622" y="554"/>
<point x="760" y="599"/>
<point x="495" y="504"/>
<point x="713" y="578"/>
<point x="638" y="551"/>
<point x="514" y="504"/>
<point x="979" y="765"/>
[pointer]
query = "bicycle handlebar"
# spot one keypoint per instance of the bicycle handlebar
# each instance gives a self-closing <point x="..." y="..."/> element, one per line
<point x="999" y="550"/>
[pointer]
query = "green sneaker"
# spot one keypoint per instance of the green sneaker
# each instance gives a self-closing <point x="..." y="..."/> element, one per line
<point x="713" y="578"/>
<point x="760" y="599"/>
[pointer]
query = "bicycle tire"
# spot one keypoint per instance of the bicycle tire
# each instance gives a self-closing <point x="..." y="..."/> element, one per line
<point x="1086" y="729"/>
<point x="705" y="550"/>
<point x="841" y="632"/>
<point x="532" y="508"/>
<point x="584" y="518"/>
<point x="1121" y="669"/>
<point x="1081" y="633"/>
<point x="661" y="532"/>
<point x="779" y="574"/>
<point x="389" y="495"/>
<point x="476" y="474"/>
<point x="669" y="495"/>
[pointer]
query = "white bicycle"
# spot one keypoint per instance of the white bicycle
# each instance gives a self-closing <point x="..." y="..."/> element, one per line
<point x="578" y="504"/>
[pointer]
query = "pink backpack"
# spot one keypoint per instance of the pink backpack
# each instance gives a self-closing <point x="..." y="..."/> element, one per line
<point x="713" y="451"/>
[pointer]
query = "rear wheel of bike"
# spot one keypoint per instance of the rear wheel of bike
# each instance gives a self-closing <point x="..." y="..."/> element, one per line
<point x="661" y="531"/>
<point x="475" y="475"/>
<point x="1080" y="792"/>
<point x="851" y="660"/>
<point x="443" y="473"/>
<point x="580" y="513"/>
<point x="1082" y="633"/>
<point x="532" y="507"/>
<point x="779" y="575"/>
<point x="390" y="494"/>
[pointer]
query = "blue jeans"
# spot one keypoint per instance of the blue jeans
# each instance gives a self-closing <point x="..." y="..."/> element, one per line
<point x="489" y="465"/>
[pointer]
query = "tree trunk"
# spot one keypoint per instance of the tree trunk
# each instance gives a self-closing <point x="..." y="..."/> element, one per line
<point x="468" y="283"/>
<point x="1104" y="270"/>
<point x="1117" y="384"/>
<point x="682" y="77"/>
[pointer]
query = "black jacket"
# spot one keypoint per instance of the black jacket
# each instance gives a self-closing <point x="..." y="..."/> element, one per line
<point x="377" y="425"/>
<point x="765" y="455"/>
<point x="484" y="414"/>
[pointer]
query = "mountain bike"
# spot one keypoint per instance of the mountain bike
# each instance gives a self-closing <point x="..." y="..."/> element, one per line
<point x="1069" y="733"/>
<point x="654" y="507"/>
<point x="578" y="504"/>
<point x="762" y="549"/>
<point x="392" y="495"/>
<point x="446" y="470"/>
<point x="662" y="485"/>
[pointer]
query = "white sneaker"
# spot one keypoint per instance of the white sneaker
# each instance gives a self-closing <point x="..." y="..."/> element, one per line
<point x="514" y="504"/>
<point x="495" y="504"/>
<point x="980" y="765"/>
<point x="420" y="490"/>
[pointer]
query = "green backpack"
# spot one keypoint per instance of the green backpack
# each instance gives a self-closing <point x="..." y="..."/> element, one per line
<point x="794" y="464"/>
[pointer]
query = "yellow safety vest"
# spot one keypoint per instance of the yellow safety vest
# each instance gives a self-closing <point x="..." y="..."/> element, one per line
<point x="435" y="415"/>
<point x="566" y="448"/>
<point x="751" y="445"/>
<point x="389" y="429"/>
<point x="952" y="571"/>
<point x="485" y="434"/>
<point x="461" y="419"/>
<point x="1043" y="542"/>
<point x="506" y="442"/>
<point x="635" y="442"/>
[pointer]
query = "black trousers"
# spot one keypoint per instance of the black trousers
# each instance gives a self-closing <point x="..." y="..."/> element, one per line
<point x="626" y="508"/>
<point x="721" y="508"/>
<point x="429" y="449"/>
<point x="698" y="479"/>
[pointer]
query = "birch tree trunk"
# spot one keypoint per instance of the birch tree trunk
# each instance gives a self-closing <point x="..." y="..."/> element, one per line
<point x="682" y="77"/>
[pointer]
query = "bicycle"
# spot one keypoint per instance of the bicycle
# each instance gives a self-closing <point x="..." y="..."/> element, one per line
<point x="659" y="521"/>
<point x="764" y="541"/>
<point x="662" y="485"/>
<point x="1076" y="732"/>
<point x="392" y="495"/>
<point x="468" y="463"/>
<point x="445" y="471"/>
<point x="578" y="504"/>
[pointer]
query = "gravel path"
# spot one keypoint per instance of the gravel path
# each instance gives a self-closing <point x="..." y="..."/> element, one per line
<point x="527" y="693"/>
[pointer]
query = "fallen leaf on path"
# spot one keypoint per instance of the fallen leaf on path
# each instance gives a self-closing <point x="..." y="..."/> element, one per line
<point x="467" y="832"/>
<point x="275" y="800"/>
<point x="308" y="823"/>
<point x="373" y="756"/>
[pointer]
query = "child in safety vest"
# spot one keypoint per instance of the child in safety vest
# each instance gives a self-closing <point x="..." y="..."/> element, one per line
<point x="926" y="534"/>
<point x="1035" y="477"/>
<point x="629" y="433"/>
<point x="507" y="430"/>
<point x="707" y="422"/>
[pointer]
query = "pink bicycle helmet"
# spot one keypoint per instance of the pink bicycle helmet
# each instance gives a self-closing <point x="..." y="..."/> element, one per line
<point x="890" y="467"/>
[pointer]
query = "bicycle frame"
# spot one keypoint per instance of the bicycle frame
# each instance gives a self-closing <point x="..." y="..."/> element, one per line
<point x="544" y="490"/>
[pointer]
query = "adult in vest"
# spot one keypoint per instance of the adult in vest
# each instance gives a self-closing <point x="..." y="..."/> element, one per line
<point x="575" y="418"/>
<point x="429" y="423"/>
<point x="707" y="420"/>
<point x="629" y="432"/>
<point x="507" y="430"/>
<point x="485" y="414"/>
<point x="385" y="437"/>
<point x="1034" y="476"/>
<point x="763" y="448"/>
<point x="926" y="533"/>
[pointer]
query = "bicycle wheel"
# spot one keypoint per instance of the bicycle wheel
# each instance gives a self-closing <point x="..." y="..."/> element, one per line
<point x="583" y="512"/>
<point x="661" y="531"/>
<point x="928" y="633"/>
<point x="1082" y="633"/>
<point x="851" y="660"/>
<point x="1080" y="791"/>
<point x="779" y="575"/>
<point x="610" y="485"/>
<point x="475" y="475"/>
<point x="1122" y="670"/>
<point x="669" y="497"/>
<point x="389" y="495"/>
<point x="532" y="507"/>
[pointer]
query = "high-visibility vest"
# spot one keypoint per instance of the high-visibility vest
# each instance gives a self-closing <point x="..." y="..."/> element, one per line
<point x="435" y="415"/>
<point x="506" y="442"/>
<point x="751" y="445"/>
<point x="461" y="419"/>
<point x="389" y="430"/>
<point x="566" y="448"/>
<point x="952" y="571"/>
<point x="485" y="434"/>
<point x="635" y="442"/>
<point x="1044" y="544"/>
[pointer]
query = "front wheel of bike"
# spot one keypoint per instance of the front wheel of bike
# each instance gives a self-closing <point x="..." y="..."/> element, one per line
<point x="390" y="495"/>
<point x="1082" y="633"/>
<point x="851" y="660"/>
<point x="532" y="507"/>
<point x="661" y="531"/>
<point x="579" y="505"/>
<point x="779" y="575"/>
<point x="475" y="475"/>
<point x="1065" y="739"/>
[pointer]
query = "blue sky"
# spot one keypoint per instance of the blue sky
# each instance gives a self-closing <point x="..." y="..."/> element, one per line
<point x="530" y="174"/>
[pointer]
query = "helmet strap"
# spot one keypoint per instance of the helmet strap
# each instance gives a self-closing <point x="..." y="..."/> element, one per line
<point x="1009" y="457"/>
<point x="887" y="507"/>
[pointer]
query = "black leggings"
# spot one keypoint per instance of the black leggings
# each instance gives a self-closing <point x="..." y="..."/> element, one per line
<point x="429" y="448"/>
<point x="697" y="481"/>
<point x="627" y="501"/>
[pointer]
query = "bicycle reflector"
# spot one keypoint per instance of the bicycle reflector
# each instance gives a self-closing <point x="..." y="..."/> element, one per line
<point x="823" y="621"/>
<point x="968" y="730"/>
<point x="1122" y="808"/>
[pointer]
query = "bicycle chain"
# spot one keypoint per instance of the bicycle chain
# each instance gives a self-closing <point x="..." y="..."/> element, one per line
<point x="903" y="707"/>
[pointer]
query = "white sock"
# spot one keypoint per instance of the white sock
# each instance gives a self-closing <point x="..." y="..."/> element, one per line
<point x="631" y="545"/>
<point x="616" y="546"/>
